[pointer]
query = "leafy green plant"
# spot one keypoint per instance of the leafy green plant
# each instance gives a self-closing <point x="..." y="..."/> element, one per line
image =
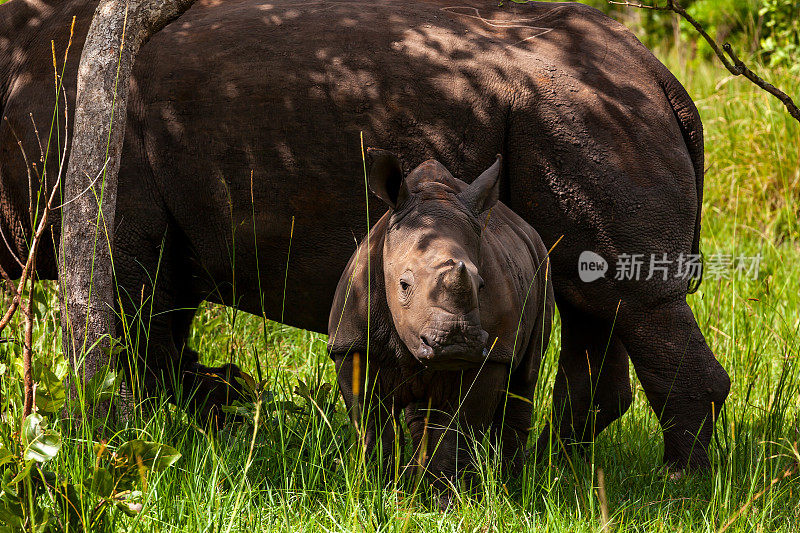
<point x="22" y="478"/>
<point x="118" y="473"/>
<point x="33" y="497"/>
<point x="781" y="41"/>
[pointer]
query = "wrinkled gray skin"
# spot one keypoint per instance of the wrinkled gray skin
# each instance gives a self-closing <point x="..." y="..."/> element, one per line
<point x="461" y="305"/>
<point x="601" y="146"/>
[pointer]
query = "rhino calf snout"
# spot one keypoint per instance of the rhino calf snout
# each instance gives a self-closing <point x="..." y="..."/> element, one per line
<point x="453" y="342"/>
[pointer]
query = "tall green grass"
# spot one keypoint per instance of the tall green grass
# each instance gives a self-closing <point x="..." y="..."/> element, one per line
<point x="300" y="470"/>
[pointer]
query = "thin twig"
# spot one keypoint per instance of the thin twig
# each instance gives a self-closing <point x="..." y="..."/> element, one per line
<point x="27" y="351"/>
<point x="38" y="139"/>
<point x="725" y="53"/>
<point x="88" y="187"/>
<point x="28" y="267"/>
<point x="27" y="170"/>
<point x="43" y="160"/>
<point x="10" y="287"/>
<point x="10" y="249"/>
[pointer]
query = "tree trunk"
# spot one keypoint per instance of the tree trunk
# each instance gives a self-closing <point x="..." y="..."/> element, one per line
<point x="119" y="28"/>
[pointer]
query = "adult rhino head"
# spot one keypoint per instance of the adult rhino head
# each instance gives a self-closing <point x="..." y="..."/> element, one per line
<point x="431" y="258"/>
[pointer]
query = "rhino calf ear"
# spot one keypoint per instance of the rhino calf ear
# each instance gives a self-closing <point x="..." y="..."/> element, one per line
<point x="484" y="192"/>
<point x="385" y="176"/>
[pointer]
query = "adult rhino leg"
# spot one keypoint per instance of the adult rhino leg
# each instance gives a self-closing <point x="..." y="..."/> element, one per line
<point x="203" y="388"/>
<point x="592" y="387"/>
<point x="684" y="383"/>
<point x="153" y="292"/>
<point x="145" y="325"/>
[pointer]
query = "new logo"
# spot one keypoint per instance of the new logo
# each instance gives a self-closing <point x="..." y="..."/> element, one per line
<point x="591" y="266"/>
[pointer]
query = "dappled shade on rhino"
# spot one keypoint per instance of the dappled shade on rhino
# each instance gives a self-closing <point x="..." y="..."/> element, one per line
<point x="242" y="119"/>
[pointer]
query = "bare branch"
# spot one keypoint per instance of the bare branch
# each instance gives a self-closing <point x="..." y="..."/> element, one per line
<point x="29" y="266"/>
<point x="10" y="249"/>
<point x="88" y="187"/>
<point x="27" y="351"/>
<point x="10" y="287"/>
<point x="9" y="282"/>
<point x="640" y="5"/>
<point x="38" y="139"/>
<point x="725" y="53"/>
<point x="27" y="170"/>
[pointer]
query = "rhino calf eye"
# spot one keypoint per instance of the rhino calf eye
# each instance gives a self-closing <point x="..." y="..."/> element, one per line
<point x="404" y="285"/>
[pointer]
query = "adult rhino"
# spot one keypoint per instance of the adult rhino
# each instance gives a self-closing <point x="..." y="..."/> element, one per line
<point x="602" y="146"/>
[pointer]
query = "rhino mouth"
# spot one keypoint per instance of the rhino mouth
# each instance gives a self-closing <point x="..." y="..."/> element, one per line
<point x="443" y="353"/>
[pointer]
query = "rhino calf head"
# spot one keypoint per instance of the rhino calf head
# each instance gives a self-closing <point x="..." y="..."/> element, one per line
<point x="431" y="258"/>
<point x="410" y="319"/>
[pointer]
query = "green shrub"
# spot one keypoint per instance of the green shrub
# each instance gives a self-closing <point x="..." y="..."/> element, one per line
<point x="781" y="40"/>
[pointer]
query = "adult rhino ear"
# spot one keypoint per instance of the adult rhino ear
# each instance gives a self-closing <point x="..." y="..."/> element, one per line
<point x="385" y="177"/>
<point x="484" y="192"/>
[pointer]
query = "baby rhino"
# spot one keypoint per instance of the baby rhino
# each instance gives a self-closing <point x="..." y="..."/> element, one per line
<point x="444" y="310"/>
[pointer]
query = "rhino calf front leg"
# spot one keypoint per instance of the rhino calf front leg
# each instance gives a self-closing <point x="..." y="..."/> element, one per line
<point x="372" y="413"/>
<point x="444" y="438"/>
<point x="436" y="440"/>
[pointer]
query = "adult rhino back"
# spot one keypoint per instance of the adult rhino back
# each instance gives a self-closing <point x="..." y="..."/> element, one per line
<point x="560" y="86"/>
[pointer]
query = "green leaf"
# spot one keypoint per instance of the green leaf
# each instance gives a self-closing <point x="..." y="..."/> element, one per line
<point x="7" y="485"/>
<point x="45" y="447"/>
<point x="61" y="368"/>
<point x="31" y="428"/>
<point x="102" y="483"/>
<point x="153" y="455"/>
<point x="302" y="390"/>
<point x="40" y="445"/>
<point x="129" y="508"/>
<point x="50" y="392"/>
<point x="21" y="476"/>
<point x="10" y="512"/>
<point x="246" y="383"/>
<point x="6" y="456"/>
<point x="102" y="386"/>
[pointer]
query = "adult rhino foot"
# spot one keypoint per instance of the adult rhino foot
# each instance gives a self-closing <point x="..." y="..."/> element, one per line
<point x="208" y="388"/>
<point x="675" y="474"/>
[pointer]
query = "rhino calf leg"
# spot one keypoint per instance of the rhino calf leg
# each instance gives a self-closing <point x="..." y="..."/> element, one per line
<point x="514" y="415"/>
<point x="444" y="437"/>
<point x="684" y="383"/>
<point x="372" y="413"/>
<point x="592" y="387"/>
<point x="436" y="438"/>
<point x="511" y="428"/>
